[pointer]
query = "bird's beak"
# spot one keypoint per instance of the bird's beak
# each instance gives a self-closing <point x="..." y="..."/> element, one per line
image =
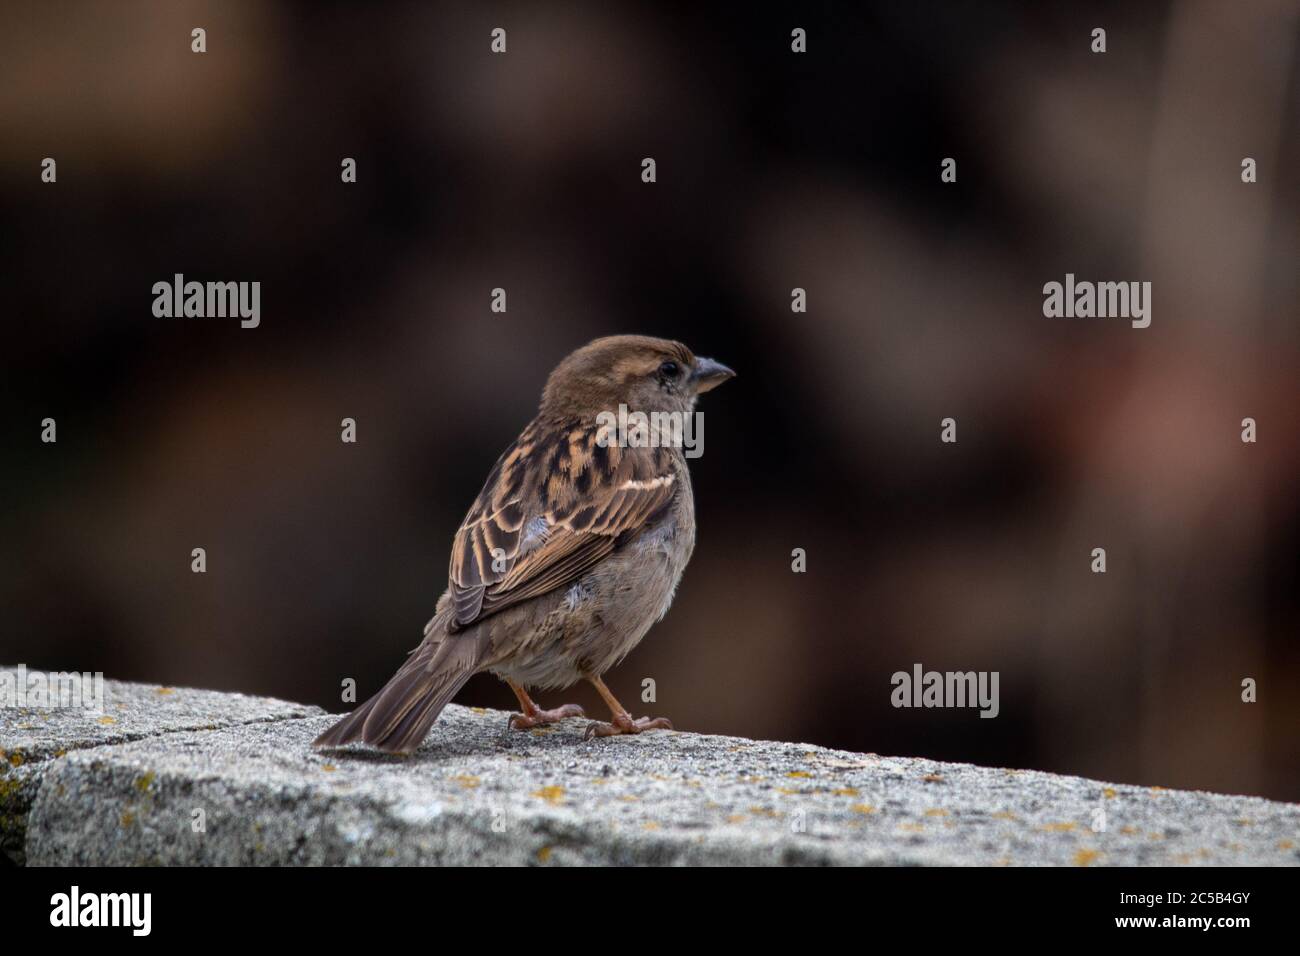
<point x="709" y="374"/>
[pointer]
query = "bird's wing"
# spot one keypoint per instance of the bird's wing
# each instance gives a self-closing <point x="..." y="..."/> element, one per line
<point x="556" y="503"/>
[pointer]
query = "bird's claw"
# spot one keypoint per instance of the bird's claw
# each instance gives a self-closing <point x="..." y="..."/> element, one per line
<point x="543" y="717"/>
<point x="624" y="724"/>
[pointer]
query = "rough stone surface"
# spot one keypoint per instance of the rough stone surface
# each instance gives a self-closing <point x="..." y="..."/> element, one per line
<point x="479" y="793"/>
<point x="33" y="739"/>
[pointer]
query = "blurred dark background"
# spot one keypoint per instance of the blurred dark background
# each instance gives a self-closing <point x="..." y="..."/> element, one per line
<point x="775" y="170"/>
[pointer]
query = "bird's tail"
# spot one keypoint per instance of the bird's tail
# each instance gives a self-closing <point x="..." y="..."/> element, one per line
<point x="398" y="718"/>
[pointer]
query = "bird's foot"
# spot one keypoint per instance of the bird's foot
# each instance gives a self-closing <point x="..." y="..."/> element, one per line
<point x="624" y="724"/>
<point x="540" y="718"/>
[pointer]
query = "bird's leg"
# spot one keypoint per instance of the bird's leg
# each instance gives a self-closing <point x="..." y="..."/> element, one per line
<point x="534" y="716"/>
<point x="622" y="722"/>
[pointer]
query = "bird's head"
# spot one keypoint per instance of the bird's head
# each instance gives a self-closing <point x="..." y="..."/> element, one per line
<point x="645" y="374"/>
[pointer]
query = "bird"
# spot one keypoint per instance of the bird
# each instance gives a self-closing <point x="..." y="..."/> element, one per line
<point x="572" y="550"/>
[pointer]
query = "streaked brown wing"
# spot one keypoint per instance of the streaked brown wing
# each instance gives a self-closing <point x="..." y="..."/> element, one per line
<point x="554" y="505"/>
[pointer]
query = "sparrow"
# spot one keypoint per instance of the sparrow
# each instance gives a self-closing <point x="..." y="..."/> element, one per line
<point x="571" y="551"/>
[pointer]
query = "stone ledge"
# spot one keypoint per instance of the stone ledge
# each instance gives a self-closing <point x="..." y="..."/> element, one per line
<point x="34" y="739"/>
<point x="478" y="793"/>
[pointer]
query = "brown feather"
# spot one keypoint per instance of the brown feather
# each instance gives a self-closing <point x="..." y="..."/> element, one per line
<point x="622" y="487"/>
<point x="398" y="717"/>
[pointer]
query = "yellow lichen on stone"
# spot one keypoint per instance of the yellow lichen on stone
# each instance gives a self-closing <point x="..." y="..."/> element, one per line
<point x="1084" y="857"/>
<point x="862" y="808"/>
<point x="467" y="780"/>
<point x="1059" y="827"/>
<point x="551" y="795"/>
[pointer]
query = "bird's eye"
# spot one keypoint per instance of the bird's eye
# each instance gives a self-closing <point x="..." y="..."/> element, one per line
<point x="670" y="370"/>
